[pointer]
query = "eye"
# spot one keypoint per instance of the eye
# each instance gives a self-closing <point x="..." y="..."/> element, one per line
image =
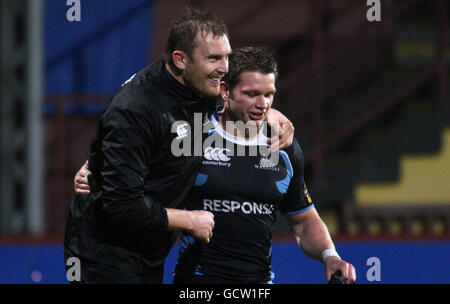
<point x="214" y="58"/>
<point x="270" y="94"/>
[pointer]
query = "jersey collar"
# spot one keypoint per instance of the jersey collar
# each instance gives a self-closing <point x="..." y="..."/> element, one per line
<point x="259" y="140"/>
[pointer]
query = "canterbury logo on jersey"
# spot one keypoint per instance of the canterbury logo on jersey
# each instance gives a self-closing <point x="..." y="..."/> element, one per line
<point x="216" y="157"/>
<point x="217" y="154"/>
<point x="234" y="206"/>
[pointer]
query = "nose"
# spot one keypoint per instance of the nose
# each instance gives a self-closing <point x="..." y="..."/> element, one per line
<point x="262" y="102"/>
<point x="223" y="66"/>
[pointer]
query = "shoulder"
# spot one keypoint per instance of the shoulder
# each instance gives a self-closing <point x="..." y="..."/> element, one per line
<point x="142" y="93"/>
<point x="133" y="105"/>
<point x="133" y="102"/>
<point x="294" y="154"/>
<point x="295" y="150"/>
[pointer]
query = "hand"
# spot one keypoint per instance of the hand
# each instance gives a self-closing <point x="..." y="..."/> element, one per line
<point x="203" y="224"/>
<point x="284" y="130"/>
<point x="332" y="264"/>
<point x="81" y="185"/>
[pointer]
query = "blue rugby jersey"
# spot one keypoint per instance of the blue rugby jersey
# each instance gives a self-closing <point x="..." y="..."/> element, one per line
<point x="243" y="192"/>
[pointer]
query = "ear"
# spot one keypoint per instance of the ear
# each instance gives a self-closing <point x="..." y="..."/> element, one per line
<point x="224" y="92"/>
<point x="179" y="59"/>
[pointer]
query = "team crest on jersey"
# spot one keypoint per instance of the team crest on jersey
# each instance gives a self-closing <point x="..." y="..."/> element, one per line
<point x="182" y="130"/>
<point x="266" y="163"/>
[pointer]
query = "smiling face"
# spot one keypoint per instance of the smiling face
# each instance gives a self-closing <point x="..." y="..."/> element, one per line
<point x="208" y="63"/>
<point x="251" y="97"/>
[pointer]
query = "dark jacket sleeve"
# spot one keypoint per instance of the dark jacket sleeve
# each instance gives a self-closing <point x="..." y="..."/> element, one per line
<point x="125" y="149"/>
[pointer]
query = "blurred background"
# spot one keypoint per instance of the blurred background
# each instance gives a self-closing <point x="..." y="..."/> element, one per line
<point x="369" y="101"/>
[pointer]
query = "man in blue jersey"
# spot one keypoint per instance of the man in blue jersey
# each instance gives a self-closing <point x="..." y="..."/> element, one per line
<point x="244" y="190"/>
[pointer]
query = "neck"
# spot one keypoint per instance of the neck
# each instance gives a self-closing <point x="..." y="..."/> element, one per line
<point x="238" y="128"/>
<point x="177" y="77"/>
<point x="186" y="84"/>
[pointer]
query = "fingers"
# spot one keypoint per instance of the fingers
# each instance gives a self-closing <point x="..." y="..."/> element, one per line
<point x="276" y="127"/>
<point x="352" y="274"/>
<point x="348" y="272"/>
<point x="328" y="274"/>
<point x="208" y="215"/>
<point x="274" y="143"/>
<point x="204" y="224"/>
<point x="283" y="138"/>
<point x="81" y="188"/>
<point x="80" y="191"/>
<point x="208" y="239"/>
<point x="287" y="135"/>
<point x="344" y="272"/>
<point x="332" y="264"/>
<point x="209" y="228"/>
<point x="81" y="184"/>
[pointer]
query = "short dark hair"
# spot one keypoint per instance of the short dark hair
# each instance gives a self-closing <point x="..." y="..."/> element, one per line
<point x="184" y="29"/>
<point x="249" y="59"/>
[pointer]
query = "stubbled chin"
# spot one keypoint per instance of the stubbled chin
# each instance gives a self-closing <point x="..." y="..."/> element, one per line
<point x="212" y="91"/>
<point x="211" y="97"/>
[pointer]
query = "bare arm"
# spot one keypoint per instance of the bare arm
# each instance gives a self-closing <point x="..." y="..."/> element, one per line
<point x="313" y="238"/>
<point x="310" y="232"/>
